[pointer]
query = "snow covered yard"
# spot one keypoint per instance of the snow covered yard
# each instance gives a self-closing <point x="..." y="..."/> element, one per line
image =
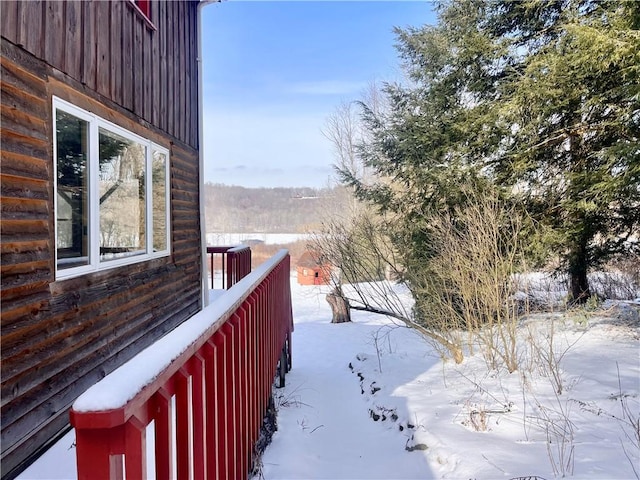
<point x="373" y="400"/>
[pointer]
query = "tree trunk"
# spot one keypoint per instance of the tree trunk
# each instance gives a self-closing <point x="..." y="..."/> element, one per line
<point x="578" y="281"/>
<point x="339" y="307"/>
<point x="580" y="291"/>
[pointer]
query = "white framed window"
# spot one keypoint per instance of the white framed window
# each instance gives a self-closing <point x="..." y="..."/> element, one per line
<point x="111" y="194"/>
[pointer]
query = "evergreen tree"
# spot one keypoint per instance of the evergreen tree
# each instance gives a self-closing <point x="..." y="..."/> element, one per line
<point x="541" y="99"/>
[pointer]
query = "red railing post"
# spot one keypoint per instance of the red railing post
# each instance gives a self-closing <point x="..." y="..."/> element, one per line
<point x="136" y="446"/>
<point x="196" y="370"/>
<point x="183" y="427"/>
<point x="222" y="406"/>
<point x="211" y="409"/>
<point x="230" y="381"/>
<point x="93" y="454"/>
<point x="211" y="252"/>
<point x="163" y="435"/>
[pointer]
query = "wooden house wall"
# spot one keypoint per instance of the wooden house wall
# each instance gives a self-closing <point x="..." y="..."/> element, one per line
<point x="109" y="47"/>
<point x="60" y="337"/>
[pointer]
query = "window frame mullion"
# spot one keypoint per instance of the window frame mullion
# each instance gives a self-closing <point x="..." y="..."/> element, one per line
<point x="94" y="195"/>
<point x="148" y="201"/>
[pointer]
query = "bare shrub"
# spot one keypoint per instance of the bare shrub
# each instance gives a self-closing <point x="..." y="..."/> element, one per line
<point x="543" y="355"/>
<point x="560" y="436"/>
<point x="367" y="269"/>
<point x="478" y="418"/>
<point x="619" y="280"/>
<point x="468" y="284"/>
<point x="477" y="412"/>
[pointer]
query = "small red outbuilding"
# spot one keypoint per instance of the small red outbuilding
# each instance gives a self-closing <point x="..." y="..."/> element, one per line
<point x="312" y="270"/>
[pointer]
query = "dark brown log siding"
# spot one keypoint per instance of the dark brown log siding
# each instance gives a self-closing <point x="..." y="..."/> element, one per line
<point x="60" y="337"/>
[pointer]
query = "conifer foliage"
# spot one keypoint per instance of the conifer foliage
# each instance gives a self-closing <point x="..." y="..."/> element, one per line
<point x="539" y="100"/>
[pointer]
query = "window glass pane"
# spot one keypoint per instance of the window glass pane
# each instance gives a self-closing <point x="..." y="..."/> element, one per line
<point x="72" y="214"/>
<point x="121" y="196"/>
<point x="159" y="189"/>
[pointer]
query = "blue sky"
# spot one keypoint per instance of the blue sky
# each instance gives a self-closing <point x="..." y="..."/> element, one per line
<point x="274" y="71"/>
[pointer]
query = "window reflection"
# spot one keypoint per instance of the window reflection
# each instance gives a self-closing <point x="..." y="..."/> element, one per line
<point x="72" y="214"/>
<point x="122" y="196"/>
<point x="160" y="195"/>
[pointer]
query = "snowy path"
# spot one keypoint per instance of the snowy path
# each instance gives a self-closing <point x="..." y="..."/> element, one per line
<point x="324" y="430"/>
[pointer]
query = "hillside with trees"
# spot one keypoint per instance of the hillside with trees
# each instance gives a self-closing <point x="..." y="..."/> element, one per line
<point x="235" y="209"/>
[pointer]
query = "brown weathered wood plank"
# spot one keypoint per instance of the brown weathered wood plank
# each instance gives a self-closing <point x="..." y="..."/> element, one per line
<point x="24" y="60"/>
<point x="22" y="209"/>
<point x="147" y="74"/>
<point x="20" y="247"/>
<point x="29" y="299"/>
<point x="180" y="65"/>
<point x="116" y="52"/>
<point x="58" y="345"/>
<point x="172" y="86"/>
<point x="24" y="307"/>
<point x="23" y="145"/>
<point x="25" y="166"/>
<point x="73" y="64"/>
<point x="27" y="258"/>
<point x="163" y="73"/>
<point x="13" y="97"/>
<point x="15" y="278"/>
<point x="13" y="75"/>
<point x="9" y="20"/>
<point x="54" y="28"/>
<point x="25" y="267"/>
<point x="183" y="253"/>
<point x="193" y="80"/>
<point x="23" y="123"/>
<point x="138" y="65"/>
<point x="32" y="26"/>
<point x="155" y="70"/>
<point x="103" y="60"/>
<point x="19" y="227"/>
<point x="127" y="58"/>
<point x="34" y="443"/>
<point x="89" y="51"/>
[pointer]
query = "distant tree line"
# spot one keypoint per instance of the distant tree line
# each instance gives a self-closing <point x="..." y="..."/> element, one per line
<point x="235" y="209"/>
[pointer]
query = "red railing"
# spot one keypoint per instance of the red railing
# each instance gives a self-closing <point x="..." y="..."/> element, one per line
<point x="213" y="394"/>
<point x="235" y="264"/>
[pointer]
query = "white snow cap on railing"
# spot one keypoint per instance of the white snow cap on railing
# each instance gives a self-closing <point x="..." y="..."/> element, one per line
<point x="238" y="248"/>
<point x="124" y="383"/>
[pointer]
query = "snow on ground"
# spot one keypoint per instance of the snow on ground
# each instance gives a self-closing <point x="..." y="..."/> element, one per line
<point x="224" y="239"/>
<point x="373" y="400"/>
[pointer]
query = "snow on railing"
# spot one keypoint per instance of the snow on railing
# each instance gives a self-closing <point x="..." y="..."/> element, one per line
<point x="209" y="379"/>
<point x="235" y="263"/>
